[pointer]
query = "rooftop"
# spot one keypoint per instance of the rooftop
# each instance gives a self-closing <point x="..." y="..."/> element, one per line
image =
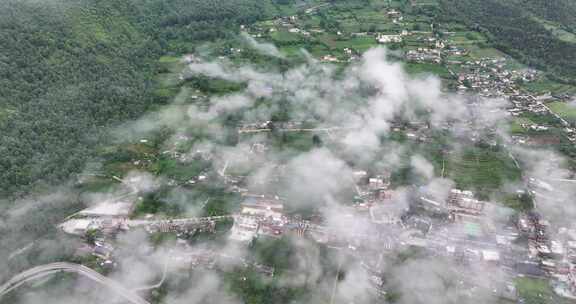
<point x="109" y="208"/>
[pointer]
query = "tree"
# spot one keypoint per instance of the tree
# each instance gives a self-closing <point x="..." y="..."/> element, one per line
<point x="316" y="141"/>
<point x="526" y="201"/>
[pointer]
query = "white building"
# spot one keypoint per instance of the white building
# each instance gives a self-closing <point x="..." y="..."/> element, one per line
<point x="78" y="226"/>
<point x="244" y="229"/>
<point x="109" y="209"/>
<point x="389" y="38"/>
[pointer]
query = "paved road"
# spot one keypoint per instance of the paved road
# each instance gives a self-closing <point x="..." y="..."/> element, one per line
<point x="297" y="130"/>
<point x="180" y="221"/>
<point x="49" y="269"/>
<point x="157" y="285"/>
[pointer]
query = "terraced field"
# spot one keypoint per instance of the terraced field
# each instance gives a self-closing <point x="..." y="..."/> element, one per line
<point x="565" y="110"/>
<point x="482" y="170"/>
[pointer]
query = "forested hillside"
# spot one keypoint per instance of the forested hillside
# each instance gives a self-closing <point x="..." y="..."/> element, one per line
<point x="527" y="29"/>
<point x="70" y="68"/>
<point x="562" y="11"/>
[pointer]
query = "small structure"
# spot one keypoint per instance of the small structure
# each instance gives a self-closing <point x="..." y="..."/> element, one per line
<point x="463" y="203"/>
<point x="78" y="226"/>
<point x="260" y="214"/>
<point x="490" y="256"/>
<point x="264" y="207"/>
<point x="389" y="38"/>
<point x="108" y="216"/>
<point x="244" y="229"/>
<point x="110" y="209"/>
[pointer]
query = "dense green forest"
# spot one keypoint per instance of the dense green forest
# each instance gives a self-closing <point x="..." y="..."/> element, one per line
<point x="562" y="11"/>
<point x="538" y="32"/>
<point x="71" y="68"/>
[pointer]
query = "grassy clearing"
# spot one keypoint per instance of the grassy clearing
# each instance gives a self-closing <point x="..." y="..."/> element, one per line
<point x="92" y="28"/>
<point x="557" y="31"/>
<point x="169" y="77"/>
<point x="97" y="184"/>
<point x="286" y="9"/>
<point x="545" y="85"/>
<point x="169" y="60"/>
<point x="361" y="44"/>
<point x="6" y="113"/>
<point x="516" y="125"/>
<point x="482" y="170"/>
<point x="284" y="36"/>
<point x="425" y="3"/>
<point x="467" y="38"/>
<point x="565" y="110"/>
<point x="178" y="171"/>
<point x="319" y="51"/>
<point x="427" y="68"/>
<point x="296" y="141"/>
<point x="534" y="291"/>
<point x="292" y="50"/>
<point x="477" y="52"/>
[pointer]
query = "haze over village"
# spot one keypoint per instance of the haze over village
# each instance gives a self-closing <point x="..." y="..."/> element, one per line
<point x="373" y="151"/>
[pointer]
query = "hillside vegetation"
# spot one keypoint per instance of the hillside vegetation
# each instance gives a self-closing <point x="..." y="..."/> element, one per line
<point x="534" y="31"/>
<point x="71" y="68"/>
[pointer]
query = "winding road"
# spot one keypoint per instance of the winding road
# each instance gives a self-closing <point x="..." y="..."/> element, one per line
<point x="49" y="269"/>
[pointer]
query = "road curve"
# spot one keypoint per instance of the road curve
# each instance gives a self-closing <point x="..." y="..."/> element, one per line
<point x="49" y="269"/>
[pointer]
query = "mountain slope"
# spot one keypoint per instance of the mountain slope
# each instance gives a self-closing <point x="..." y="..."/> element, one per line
<point x="523" y="28"/>
<point x="71" y="68"/>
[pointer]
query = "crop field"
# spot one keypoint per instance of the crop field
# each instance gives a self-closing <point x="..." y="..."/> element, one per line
<point x="558" y="31"/>
<point x="535" y="291"/>
<point x="545" y="85"/>
<point x="424" y="2"/>
<point x="565" y="110"/>
<point x="284" y="36"/>
<point x="516" y="125"/>
<point x="467" y="38"/>
<point x="482" y="170"/>
<point x="172" y="67"/>
<point x="5" y="113"/>
<point x="427" y="68"/>
<point x="477" y="52"/>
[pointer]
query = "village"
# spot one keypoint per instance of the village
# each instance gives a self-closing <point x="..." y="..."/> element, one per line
<point x="289" y="151"/>
<point x="452" y="55"/>
<point x="457" y="227"/>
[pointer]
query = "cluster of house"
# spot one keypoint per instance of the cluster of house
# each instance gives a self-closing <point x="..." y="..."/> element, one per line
<point x="188" y="258"/>
<point x="109" y="216"/>
<point x="390" y="38"/>
<point x="263" y="215"/>
<point x="465" y="234"/>
<point x="551" y="256"/>
<point x="373" y="194"/>
<point x="97" y="224"/>
<point x="522" y="103"/>
<point x="424" y="55"/>
<point x="183" y="227"/>
<point x="473" y="237"/>
<point x="259" y="215"/>
<point x="424" y="41"/>
<point x="267" y="126"/>
<point x="100" y="223"/>
<point x="489" y="77"/>
<point x="395" y="15"/>
<point x="453" y="50"/>
<point x="291" y="24"/>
